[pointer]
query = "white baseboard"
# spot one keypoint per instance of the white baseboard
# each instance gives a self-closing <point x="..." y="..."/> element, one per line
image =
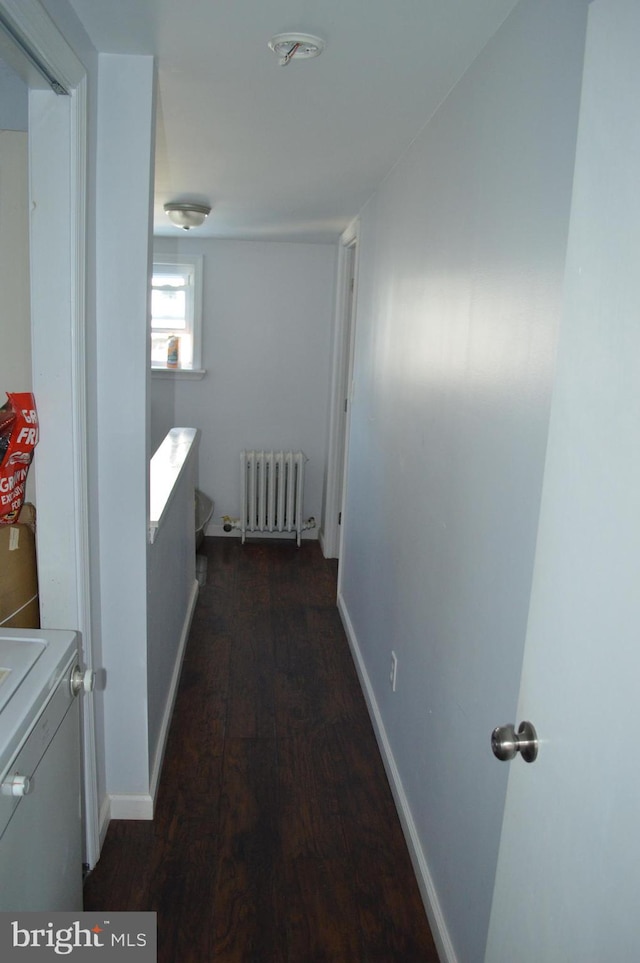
<point x="439" y="930"/>
<point x="104" y="817"/>
<point x="130" y="806"/>
<point x="217" y="531"/>
<point x="156" y="768"/>
<point x="142" y="805"/>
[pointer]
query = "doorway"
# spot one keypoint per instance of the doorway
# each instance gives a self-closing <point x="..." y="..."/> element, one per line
<point x="57" y="135"/>
<point x="341" y="391"/>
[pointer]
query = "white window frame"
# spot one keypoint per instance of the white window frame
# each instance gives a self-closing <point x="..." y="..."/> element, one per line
<point x="193" y="266"/>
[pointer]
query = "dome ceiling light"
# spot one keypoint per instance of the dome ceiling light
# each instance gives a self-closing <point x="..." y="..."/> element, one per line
<point x="302" y="46"/>
<point x="186" y="215"/>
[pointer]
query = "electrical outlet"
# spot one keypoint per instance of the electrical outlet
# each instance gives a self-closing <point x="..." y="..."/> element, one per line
<point x="394" y="671"/>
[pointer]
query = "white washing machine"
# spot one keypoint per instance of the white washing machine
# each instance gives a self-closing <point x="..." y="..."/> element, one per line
<point x="40" y="796"/>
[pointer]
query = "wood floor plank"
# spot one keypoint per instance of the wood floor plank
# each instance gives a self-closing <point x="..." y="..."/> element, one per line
<point x="247" y="918"/>
<point x="275" y="837"/>
<point x="251" y="711"/>
<point x="310" y="797"/>
<point x="323" y="924"/>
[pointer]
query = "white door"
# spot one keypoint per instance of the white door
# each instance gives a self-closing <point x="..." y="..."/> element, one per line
<point x="568" y="880"/>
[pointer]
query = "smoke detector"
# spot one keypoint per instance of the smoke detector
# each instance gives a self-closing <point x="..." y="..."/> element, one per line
<point x="302" y="46"/>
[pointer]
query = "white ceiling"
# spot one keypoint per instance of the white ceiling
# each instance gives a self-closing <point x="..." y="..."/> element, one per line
<point x="289" y="152"/>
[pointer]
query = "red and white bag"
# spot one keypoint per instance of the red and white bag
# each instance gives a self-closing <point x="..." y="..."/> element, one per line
<point x="18" y="438"/>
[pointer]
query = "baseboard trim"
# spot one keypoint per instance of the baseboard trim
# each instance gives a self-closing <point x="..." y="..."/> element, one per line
<point x="427" y="888"/>
<point x="141" y="805"/>
<point x="104" y="818"/>
<point x="324" y="544"/>
<point x="156" y="769"/>
<point x="130" y="806"/>
<point x="217" y="531"/>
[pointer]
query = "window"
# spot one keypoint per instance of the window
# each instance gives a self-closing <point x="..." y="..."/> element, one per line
<point x="176" y="312"/>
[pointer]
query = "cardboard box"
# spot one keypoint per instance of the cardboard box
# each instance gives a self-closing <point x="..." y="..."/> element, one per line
<point x="19" y="604"/>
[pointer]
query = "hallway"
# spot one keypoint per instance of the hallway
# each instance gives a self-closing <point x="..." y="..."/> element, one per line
<point x="275" y="838"/>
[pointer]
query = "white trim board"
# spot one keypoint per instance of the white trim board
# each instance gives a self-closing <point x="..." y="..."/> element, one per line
<point x="130" y="806"/>
<point x="426" y="885"/>
<point x="217" y="531"/>
<point x="142" y="805"/>
<point x="104" y="818"/>
<point x="344" y="322"/>
<point x="32" y="28"/>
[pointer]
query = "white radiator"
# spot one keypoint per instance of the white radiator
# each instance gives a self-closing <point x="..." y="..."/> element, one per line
<point x="271" y="492"/>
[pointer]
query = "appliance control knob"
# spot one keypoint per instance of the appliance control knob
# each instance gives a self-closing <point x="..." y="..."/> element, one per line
<point x="17" y="785"/>
<point x="82" y="680"/>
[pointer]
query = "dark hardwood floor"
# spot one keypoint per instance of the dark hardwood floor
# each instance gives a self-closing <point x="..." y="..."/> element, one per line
<point x="275" y="838"/>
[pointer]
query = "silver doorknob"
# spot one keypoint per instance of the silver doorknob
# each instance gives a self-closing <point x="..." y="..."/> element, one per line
<point x="506" y="743"/>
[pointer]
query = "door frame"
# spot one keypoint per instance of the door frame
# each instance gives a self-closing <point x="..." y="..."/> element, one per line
<point x="340" y="396"/>
<point x="57" y="238"/>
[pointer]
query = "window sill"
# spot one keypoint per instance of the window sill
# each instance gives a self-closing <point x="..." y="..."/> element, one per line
<point x="190" y="374"/>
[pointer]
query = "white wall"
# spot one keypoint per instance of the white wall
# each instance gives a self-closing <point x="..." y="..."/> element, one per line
<point x="14" y="105"/>
<point x="15" y="356"/>
<point x="266" y="348"/>
<point x="460" y="284"/>
<point x="124" y="181"/>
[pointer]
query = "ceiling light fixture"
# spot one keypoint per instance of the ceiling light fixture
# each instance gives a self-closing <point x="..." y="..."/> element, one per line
<point x="187" y="215"/>
<point x="302" y="46"/>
